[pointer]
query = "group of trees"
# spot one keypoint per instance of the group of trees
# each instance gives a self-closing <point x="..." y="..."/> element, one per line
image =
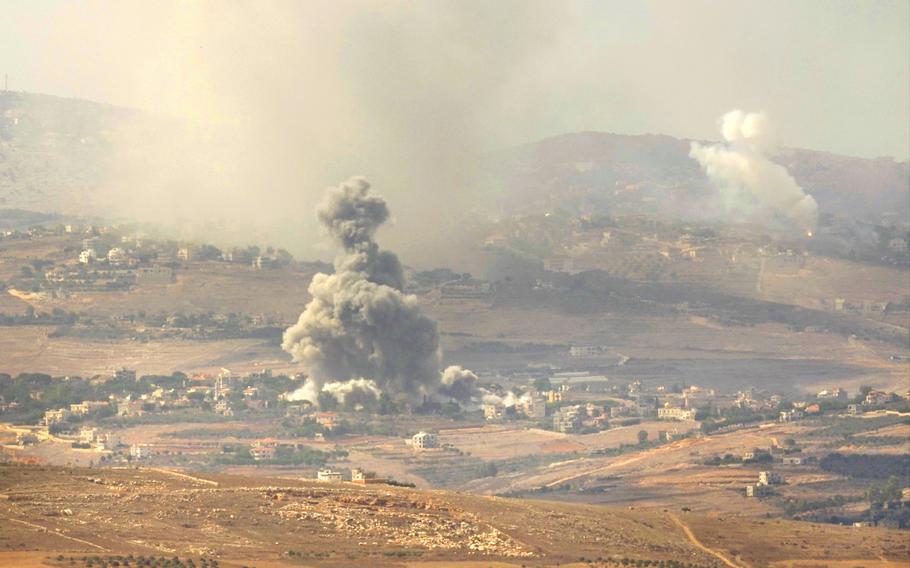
<point x="734" y="416"/>
<point x="888" y="492"/>
<point x="869" y="466"/>
<point x="56" y="316"/>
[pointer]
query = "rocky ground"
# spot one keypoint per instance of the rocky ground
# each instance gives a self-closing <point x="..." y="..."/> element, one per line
<point x="278" y="522"/>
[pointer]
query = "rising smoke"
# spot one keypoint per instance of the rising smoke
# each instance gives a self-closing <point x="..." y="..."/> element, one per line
<point x="360" y="330"/>
<point x="742" y="170"/>
<point x="459" y="384"/>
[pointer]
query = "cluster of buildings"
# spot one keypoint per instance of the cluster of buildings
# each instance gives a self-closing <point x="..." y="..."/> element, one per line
<point x="60" y="415"/>
<point x="358" y="475"/>
<point x="568" y="419"/>
<point x="765" y="484"/>
<point x="532" y="405"/>
<point x="98" y="439"/>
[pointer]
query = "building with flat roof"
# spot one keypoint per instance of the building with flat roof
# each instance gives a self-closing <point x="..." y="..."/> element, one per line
<point x="671" y="413"/>
<point x="328" y="476"/>
<point x="423" y="440"/>
<point x="358" y="475"/>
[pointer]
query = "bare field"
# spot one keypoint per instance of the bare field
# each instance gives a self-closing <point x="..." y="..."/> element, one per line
<point x="203" y="287"/>
<point x="29" y="349"/>
<point x="829" y="278"/>
<point x="255" y="521"/>
<point x="496" y="441"/>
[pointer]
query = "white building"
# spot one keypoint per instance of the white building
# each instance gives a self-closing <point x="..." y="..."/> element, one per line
<point x="790" y="416"/>
<point x="567" y="419"/>
<point x="492" y="411"/>
<point x="140" y="451"/>
<point x="56" y="416"/>
<point x="155" y="275"/>
<point x="769" y="478"/>
<point x="671" y="413"/>
<point x="87" y="256"/>
<point x="116" y="255"/>
<point x="586" y="350"/>
<point x="534" y="407"/>
<point x="328" y="476"/>
<point x="423" y="440"/>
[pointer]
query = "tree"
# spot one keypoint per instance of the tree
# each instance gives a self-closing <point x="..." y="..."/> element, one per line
<point x="208" y="252"/>
<point x="642" y="437"/>
<point x="887" y="492"/>
<point x="543" y="384"/>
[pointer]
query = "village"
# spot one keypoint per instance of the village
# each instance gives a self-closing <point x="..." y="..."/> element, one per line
<point x="245" y="422"/>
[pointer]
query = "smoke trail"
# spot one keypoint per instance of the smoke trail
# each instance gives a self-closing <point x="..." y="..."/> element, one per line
<point x="742" y="165"/>
<point x="359" y="324"/>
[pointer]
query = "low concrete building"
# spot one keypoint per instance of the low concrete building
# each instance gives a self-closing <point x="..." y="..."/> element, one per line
<point x="326" y="419"/>
<point x="140" y="451"/>
<point x="671" y="413"/>
<point x="790" y="415"/>
<point x="567" y="419"/>
<point x="328" y="476"/>
<point x="423" y="440"/>
<point x="87" y="256"/>
<point x="56" y="416"/>
<point x="223" y="407"/>
<point x="875" y="398"/>
<point x="88" y="406"/>
<point x="362" y="477"/>
<point x="155" y="275"/>
<point x="261" y="453"/>
<point x="533" y="407"/>
<point x="769" y="478"/>
<point x="26" y="439"/>
<point x="492" y="411"/>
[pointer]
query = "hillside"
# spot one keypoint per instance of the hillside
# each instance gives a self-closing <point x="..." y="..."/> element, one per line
<point x="285" y="522"/>
<point x="601" y="172"/>
<point x="55" y="153"/>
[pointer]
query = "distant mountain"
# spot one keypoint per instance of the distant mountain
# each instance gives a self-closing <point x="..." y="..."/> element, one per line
<point x="56" y="152"/>
<point x="611" y="173"/>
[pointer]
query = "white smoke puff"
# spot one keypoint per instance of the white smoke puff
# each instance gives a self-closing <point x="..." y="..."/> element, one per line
<point x="507" y="401"/>
<point x="341" y="389"/>
<point x="459" y="384"/>
<point x="309" y="391"/>
<point x="742" y="165"/>
<point x="359" y="324"/>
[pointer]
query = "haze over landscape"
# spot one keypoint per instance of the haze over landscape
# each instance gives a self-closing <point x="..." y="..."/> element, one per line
<point x="457" y="284"/>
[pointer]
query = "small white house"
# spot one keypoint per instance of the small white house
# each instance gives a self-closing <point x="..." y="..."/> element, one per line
<point x="328" y="476"/>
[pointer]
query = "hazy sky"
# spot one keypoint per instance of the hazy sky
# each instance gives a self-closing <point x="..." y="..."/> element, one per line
<point x="834" y="75"/>
<point x="298" y="95"/>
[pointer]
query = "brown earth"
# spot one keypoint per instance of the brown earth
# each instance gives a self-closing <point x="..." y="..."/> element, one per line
<point x="257" y="520"/>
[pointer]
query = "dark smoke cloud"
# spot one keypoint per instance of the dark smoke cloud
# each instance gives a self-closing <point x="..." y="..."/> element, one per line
<point x="459" y="384"/>
<point x="359" y="324"/>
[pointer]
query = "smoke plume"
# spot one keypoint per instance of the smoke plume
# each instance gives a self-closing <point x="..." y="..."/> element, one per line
<point x="359" y="324"/>
<point x="741" y="168"/>
<point x="459" y="384"/>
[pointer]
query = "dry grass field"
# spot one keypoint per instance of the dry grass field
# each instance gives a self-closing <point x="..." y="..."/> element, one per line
<point x="256" y="521"/>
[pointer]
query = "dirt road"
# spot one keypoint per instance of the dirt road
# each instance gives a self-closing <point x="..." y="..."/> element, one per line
<point x="694" y="540"/>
